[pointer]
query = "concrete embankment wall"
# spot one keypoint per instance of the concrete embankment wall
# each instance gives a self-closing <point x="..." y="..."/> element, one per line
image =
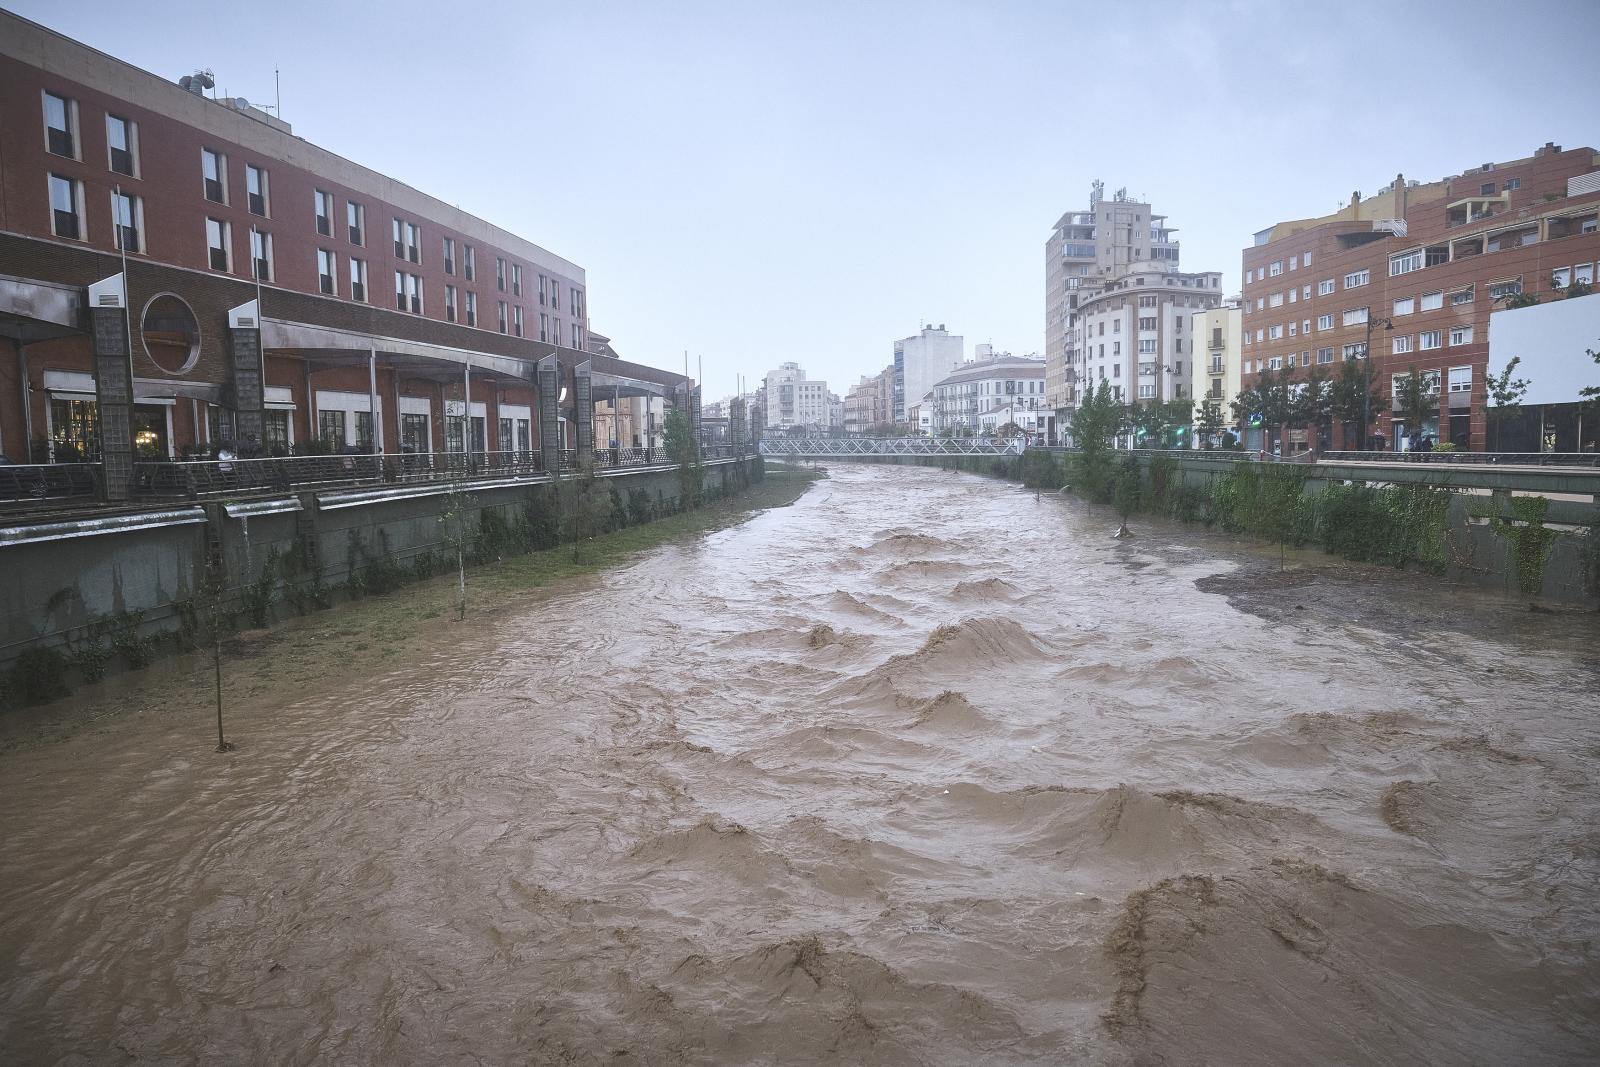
<point x="124" y="582"/>
<point x="1530" y="532"/>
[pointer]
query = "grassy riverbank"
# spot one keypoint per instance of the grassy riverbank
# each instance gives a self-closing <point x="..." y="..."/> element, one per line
<point x="266" y="668"/>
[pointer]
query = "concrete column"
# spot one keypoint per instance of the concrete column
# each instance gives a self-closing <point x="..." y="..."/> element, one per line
<point x="549" y="392"/>
<point x="583" y="398"/>
<point x="113" y="383"/>
<point x="245" y="369"/>
<point x="372" y="400"/>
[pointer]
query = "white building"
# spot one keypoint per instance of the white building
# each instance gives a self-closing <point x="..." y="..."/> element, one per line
<point x="921" y="360"/>
<point x="985" y="395"/>
<point x="1135" y="333"/>
<point x="794" y="400"/>
<point x="1215" y="360"/>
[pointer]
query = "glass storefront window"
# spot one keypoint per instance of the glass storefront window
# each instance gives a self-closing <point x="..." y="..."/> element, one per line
<point x="74" y="430"/>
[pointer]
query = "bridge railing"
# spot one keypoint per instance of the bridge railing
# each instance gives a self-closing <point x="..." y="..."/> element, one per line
<point x="822" y="447"/>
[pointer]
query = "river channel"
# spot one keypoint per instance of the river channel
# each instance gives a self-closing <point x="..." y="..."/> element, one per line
<point x="921" y="769"/>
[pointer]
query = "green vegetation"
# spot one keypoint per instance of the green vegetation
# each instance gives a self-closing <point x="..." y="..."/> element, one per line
<point x="1519" y="521"/>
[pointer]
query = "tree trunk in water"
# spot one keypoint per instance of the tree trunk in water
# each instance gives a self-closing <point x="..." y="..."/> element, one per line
<point x="461" y="597"/>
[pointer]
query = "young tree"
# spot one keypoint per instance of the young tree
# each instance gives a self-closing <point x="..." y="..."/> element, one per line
<point x="1313" y="402"/>
<point x="1505" y="394"/>
<point x="1093" y="425"/>
<point x="1177" y="416"/>
<point x="1353" y="395"/>
<point x="1250" y="405"/>
<point x="1210" y="425"/>
<point x="1592" y="392"/>
<point x="1417" y="400"/>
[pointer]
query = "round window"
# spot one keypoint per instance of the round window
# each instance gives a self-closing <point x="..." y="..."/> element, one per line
<point x="171" y="334"/>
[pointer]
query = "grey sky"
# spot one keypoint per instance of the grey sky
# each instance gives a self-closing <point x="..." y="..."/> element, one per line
<point x="759" y="182"/>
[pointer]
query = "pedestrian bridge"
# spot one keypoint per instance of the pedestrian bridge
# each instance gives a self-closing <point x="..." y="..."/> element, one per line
<point x="824" y="447"/>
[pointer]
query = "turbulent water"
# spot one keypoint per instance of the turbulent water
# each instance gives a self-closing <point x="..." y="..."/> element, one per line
<point x="920" y="770"/>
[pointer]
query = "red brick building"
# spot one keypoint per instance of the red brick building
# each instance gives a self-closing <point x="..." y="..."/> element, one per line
<point x="177" y="270"/>
<point x="1419" y="268"/>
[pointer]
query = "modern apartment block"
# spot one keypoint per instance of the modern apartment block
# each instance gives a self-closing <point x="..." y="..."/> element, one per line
<point x="1136" y="332"/>
<point x="793" y="400"/>
<point x="986" y="394"/>
<point x="919" y="361"/>
<point x="1087" y="250"/>
<point x="1214" y="342"/>
<point x="1417" y="270"/>
<point x="178" y="271"/>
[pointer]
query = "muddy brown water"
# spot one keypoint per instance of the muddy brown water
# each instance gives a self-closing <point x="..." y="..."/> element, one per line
<point x="920" y="770"/>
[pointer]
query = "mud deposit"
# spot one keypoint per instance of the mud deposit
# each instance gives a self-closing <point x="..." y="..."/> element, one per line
<point x="919" y="770"/>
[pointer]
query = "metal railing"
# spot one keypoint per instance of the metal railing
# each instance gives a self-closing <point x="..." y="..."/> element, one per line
<point x="48" y="481"/>
<point x="1516" y="459"/>
<point x="890" y="446"/>
<point x="192" y="479"/>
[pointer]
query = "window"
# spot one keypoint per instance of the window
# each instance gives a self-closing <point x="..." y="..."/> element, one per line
<point x="1261" y="335"/>
<point x="255" y="184"/>
<point x="1147" y="392"/>
<point x="1147" y="301"/>
<point x="1147" y="323"/>
<point x="1486" y="189"/>
<point x="414" y="291"/>
<point x="1429" y="340"/>
<point x="472" y="309"/>
<point x="577" y="336"/>
<point x="122" y="145"/>
<point x="1294" y="262"/>
<point x="1324" y="355"/>
<point x="1116" y="326"/>
<point x="1355" y="316"/>
<point x="214" y="168"/>
<point x="1513" y="183"/>
<point x="324" y="206"/>
<point x="1324" y="322"/>
<point x="330" y="428"/>
<point x="358" y="280"/>
<point x="1325" y="286"/>
<point x="1402" y="344"/>
<point x="1561" y="277"/>
<point x="1461" y="296"/>
<point x="127" y="215"/>
<point x="61" y="125"/>
<point x="1461" y="377"/>
<point x="1116" y="346"/>
<point x="1305" y="326"/>
<point x="1275" y="300"/>
<point x="450" y="303"/>
<point x="1261" y="305"/>
<point x="276" y="435"/>
<point x="407" y="292"/>
<point x="1461" y="335"/>
<point x="1405" y="306"/>
<point x="406" y="241"/>
<point x="1357" y="278"/>
<point x="327" y="272"/>
<point x="1294" y="295"/>
<point x="66" y="208"/>
<point x="1275" y="269"/>
<point x="261" y="255"/>
<point x="469" y="263"/>
<point x="1503" y="289"/>
<point x="1275" y="363"/>
<point x="1583" y="273"/>
<point x="516" y="320"/>
<point x="1307" y="259"/>
<point x="1405" y="262"/>
<point x="450" y="255"/>
<point x="1274" y="332"/>
<point x="501" y="315"/>
<point x="1294" y="329"/>
<point x="555" y="303"/>
<point x="219" y="245"/>
<point x="500" y="276"/>
<point x="1355" y="351"/>
<point x="1147" y="346"/>
<point x="544" y="327"/>
<point x="1432" y="301"/>
<point x="516" y="279"/>
<point x="356" y="218"/>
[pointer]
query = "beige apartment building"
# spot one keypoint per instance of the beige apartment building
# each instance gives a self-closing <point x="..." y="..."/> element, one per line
<point x="1214" y="340"/>
<point x="1136" y="332"/>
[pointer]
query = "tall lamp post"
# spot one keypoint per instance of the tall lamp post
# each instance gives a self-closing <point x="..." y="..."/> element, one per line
<point x="1366" y="392"/>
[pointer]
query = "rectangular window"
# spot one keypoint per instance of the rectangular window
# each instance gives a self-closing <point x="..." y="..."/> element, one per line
<point x="1461" y="377"/>
<point x="1504" y="289"/>
<point x="413" y="242"/>
<point x="400" y="290"/>
<point x="1307" y="259"/>
<point x="1275" y="300"/>
<point x="1430" y="340"/>
<point x="327" y="272"/>
<point x="1274" y="332"/>
<point x="1402" y="344"/>
<point x="1261" y="335"/>
<point x="450" y="303"/>
<point x="1275" y="363"/>
<point x="502" y="315"/>
<point x="1305" y="326"/>
<point x="122" y="145"/>
<point x="1461" y="296"/>
<point x="255" y="184"/>
<point x="219" y="245"/>
<point x="261" y="255"/>
<point x="472" y="309"/>
<point x="555" y="302"/>
<point x="1583" y="274"/>
<point x="1325" y="286"/>
<point x="1432" y="301"/>
<point x="214" y="169"/>
<point x="1355" y="351"/>
<point x="61" y="125"/>
<point x="356" y="218"/>
<point x="1405" y="262"/>
<point x="127" y="214"/>
<point x="1357" y="278"/>
<point x="275" y="437"/>
<point x="1275" y="269"/>
<point x="449" y="255"/>
<point x="1294" y="262"/>
<point x="1294" y="295"/>
<point x="1561" y="277"/>
<point x="1355" y="316"/>
<point x="1324" y="355"/>
<point x="330" y="428"/>
<point x="1405" y="306"/>
<point x="469" y="263"/>
<point x="358" y="280"/>
<point x="516" y="320"/>
<point x="500" y="275"/>
<point x="1461" y="335"/>
<point x="323" y="202"/>
<point x="414" y="435"/>
<point x="544" y="326"/>
<point x="1324" y="322"/>
<point x="1294" y="329"/>
<point x="414" y="291"/>
<point x="516" y="279"/>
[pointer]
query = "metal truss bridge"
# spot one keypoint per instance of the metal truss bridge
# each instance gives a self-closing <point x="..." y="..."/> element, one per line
<point x="844" y="447"/>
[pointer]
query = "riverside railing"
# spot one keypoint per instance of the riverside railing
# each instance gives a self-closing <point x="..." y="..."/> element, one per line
<point x="49" y="481"/>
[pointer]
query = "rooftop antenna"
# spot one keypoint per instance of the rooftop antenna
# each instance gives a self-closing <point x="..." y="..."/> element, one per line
<point x="277" y="94"/>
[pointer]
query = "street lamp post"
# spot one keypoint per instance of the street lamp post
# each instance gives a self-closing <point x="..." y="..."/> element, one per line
<point x="1366" y="391"/>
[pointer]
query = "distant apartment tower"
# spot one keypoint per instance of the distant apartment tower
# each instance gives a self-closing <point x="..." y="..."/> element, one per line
<point x="793" y="400"/>
<point x="1136" y="332"/>
<point x="1085" y="251"/>
<point x="1417" y="270"/>
<point x="921" y="360"/>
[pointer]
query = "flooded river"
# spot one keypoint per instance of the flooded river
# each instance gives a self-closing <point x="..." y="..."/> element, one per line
<point x="919" y="770"/>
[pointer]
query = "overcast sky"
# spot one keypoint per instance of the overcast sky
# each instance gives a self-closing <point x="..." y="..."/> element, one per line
<point x="759" y="182"/>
